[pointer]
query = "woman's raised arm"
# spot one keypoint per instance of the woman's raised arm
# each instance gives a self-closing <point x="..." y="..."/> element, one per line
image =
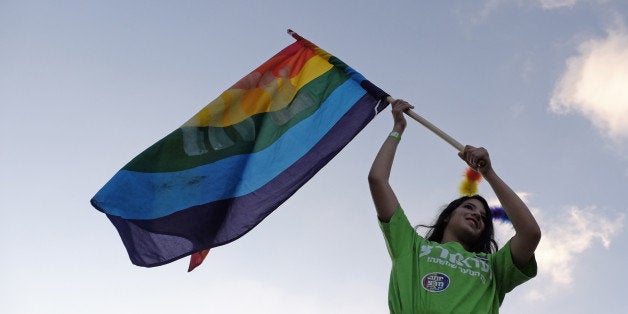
<point x="384" y="198"/>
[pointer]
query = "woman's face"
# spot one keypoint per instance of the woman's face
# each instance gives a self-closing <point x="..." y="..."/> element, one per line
<point x="467" y="221"/>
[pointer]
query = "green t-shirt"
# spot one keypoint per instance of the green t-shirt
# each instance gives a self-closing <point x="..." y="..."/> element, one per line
<point x="429" y="277"/>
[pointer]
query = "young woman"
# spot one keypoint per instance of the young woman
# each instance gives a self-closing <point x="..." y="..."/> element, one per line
<point x="457" y="268"/>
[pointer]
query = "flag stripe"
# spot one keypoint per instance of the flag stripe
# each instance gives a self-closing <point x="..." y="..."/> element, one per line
<point x="190" y="147"/>
<point x="263" y="90"/>
<point x="218" y="223"/>
<point x="161" y="194"/>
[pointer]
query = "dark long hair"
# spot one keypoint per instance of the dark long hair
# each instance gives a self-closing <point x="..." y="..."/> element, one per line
<point x="485" y="244"/>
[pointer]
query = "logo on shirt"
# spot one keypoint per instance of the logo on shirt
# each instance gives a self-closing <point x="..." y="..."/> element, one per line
<point x="435" y="282"/>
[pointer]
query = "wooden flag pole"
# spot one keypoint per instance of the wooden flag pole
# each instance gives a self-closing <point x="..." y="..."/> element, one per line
<point x="432" y="127"/>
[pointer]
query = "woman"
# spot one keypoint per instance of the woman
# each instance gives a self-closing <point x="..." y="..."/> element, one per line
<point x="457" y="269"/>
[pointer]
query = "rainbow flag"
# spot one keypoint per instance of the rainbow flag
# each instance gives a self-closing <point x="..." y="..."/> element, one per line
<point x="221" y="173"/>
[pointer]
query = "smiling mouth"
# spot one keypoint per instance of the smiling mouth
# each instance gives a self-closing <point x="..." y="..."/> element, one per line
<point x="475" y="222"/>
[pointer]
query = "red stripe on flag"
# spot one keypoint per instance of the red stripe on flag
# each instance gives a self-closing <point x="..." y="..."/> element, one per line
<point x="196" y="259"/>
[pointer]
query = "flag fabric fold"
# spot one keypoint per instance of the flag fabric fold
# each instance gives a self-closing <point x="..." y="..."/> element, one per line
<point x="222" y="172"/>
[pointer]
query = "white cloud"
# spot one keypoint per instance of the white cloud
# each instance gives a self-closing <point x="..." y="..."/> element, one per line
<point x="595" y="85"/>
<point x="555" y="4"/>
<point x="576" y="232"/>
<point x="487" y="9"/>
<point x="558" y="4"/>
<point x="564" y="239"/>
<point x="490" y="6"/>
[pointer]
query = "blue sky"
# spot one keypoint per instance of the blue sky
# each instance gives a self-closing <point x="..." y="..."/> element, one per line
<point x="87" y="85"/>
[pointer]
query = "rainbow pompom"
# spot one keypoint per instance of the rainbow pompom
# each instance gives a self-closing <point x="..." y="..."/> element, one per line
<point x="469" y="185"/>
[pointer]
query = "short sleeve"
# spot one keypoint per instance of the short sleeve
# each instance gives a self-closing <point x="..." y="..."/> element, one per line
<point x="399" y="234"/>
<point x="507" y="274"/>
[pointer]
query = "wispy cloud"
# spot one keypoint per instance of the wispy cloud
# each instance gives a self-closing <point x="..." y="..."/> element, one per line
<point x="555" y="4"/>
<point x="560" y="4"/>
<point x="488" y="7"/>
<point x="594" y="85"/>
<point x="565" y="238"/>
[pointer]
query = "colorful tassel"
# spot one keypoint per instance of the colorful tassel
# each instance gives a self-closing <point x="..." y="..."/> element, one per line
<point x="469" y="185"/>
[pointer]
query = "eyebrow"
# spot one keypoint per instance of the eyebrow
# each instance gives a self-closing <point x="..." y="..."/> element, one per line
<point x="484" y="213"/>
<point x="469" y="203"/>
